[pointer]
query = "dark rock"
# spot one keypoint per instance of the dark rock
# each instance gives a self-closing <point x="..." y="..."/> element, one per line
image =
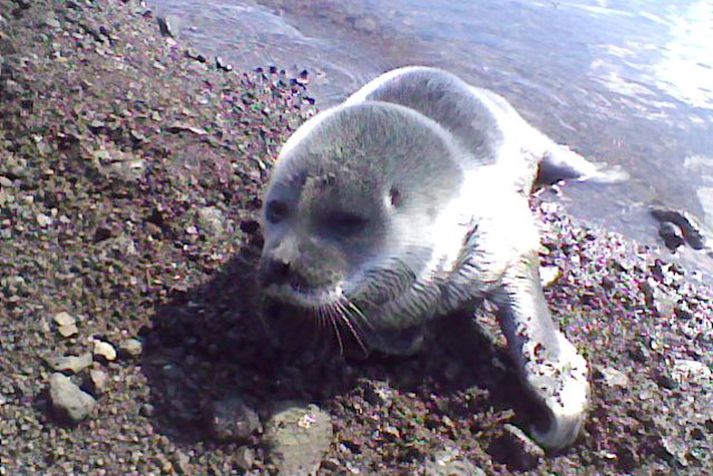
<point x="168" y="25"/>
<point x="693" y="231"/>
<point x="516" y="450"/>
<point x="193" y="54"/>
<point x="232" y="420"/>
<point x="222" y="65"/>
<point x="672" y="235"/>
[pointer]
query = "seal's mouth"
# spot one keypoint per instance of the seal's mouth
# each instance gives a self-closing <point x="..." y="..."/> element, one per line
<point x="306" y="297"/>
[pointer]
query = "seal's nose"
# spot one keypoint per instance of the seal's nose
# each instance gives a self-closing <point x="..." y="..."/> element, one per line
<point x="273" y="271"/>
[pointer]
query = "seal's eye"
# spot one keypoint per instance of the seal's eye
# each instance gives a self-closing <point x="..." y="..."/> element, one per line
<point x="276" y="211"/>
<point x="346" y="223"/>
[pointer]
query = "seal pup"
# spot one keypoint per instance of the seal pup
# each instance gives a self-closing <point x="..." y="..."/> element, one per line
<point x="409" y="201"/>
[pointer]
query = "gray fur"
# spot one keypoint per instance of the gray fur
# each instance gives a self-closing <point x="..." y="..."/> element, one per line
<point x="410" y="201"/>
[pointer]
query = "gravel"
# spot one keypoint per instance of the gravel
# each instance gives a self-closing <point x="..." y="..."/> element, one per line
<point x="130" y="186"/>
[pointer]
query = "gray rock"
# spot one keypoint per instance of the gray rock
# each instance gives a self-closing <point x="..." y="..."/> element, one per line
<point x="656" y="299"/>
<point x="70" y="363"/>
<point x="611" y="377"/>
<point x="449" y="462"/>
<point x="100" y="380"/>
<point x="69" y="402"/>
<point x="245" y="457"/>
<point x="131" y="347"/>
<point x="298" y="436"/>
<point x="232" y="420"/>
<point x="51" y="21"/>
<point x="211" y="221"/>
<point x="64" y="319"/>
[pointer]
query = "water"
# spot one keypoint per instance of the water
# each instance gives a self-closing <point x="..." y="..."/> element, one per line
<point x="629" y="82"/>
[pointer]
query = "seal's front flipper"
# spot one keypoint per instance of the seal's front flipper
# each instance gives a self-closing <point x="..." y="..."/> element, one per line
<point x="559" y="162"/>
<point x="547" y="363"/>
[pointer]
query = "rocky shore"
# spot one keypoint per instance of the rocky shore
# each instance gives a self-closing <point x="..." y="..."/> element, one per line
<point x="130" y="342"/>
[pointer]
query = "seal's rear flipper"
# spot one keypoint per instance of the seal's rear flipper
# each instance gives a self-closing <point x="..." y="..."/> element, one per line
<point x="562" y="163"/>
<point x="549" y="366"/>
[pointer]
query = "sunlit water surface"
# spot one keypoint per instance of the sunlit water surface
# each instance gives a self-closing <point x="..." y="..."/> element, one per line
<point x="628" y="82"/>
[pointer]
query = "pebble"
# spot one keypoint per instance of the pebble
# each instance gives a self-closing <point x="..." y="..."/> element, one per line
<point x="672" y="235"/>
<point x="245" y="457"/>
<point x="211" y="221"/>
<point x="100" y="380"/>
<point x="222" y="65"/>
<point x="232" y="420"/>
<point x="105" y="350"/>
<point x="64" y="319"/>
<point x="132" y="347"/>
<point x="168" y="25"/>
<point x="68" y="400"/>
<point x="448" y="462"/>
<point x="43" y="220"/>
<point x="611" y="377"/>
<point x="521" y="453"/>
<point x="67" y="324"/>
<point x="298" y="436"/>
<point x="70" y="363"/>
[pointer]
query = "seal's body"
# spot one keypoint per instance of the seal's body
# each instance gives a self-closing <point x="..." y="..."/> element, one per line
<point x="409" y="201"/>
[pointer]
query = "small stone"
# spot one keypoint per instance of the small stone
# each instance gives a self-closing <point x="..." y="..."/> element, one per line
<point x="178" y="127"/>
<point x="51" y="21"/>
<point x="449" y="462"/>
<point x="222" y="65"/>
<point x="131" y="347"/>
<point x="516" y="449"/>
<point x="43" y="220"/>
<point x="611" y="377"/>
<point x="298" y="436"/>
<point x="70" y="363"/>
<point x="193" y="54"/>
<point x="105" y="350"/>
<point x="64" y="319"/>
<point x="211" y="221"/>
<point x="232" y="420"/>
<point x="672" y="235"/>
<point x="168" y="25"/>
<point x="99" y="379"/>
<point x="245" y="457"/>
<point x="182" y="462"/>
<point x="68" y="400"/>
<point x="693" y="230"/>
<point x="68" y="331"/>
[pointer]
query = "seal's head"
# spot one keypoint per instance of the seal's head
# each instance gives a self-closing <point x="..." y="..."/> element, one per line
<point x="352" y="210"/>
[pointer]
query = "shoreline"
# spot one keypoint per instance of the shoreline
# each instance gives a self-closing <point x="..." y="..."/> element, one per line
<point x="131" y="173"/>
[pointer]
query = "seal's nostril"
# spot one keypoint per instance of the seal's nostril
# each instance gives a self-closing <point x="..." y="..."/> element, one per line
<point x="280" y="268"/>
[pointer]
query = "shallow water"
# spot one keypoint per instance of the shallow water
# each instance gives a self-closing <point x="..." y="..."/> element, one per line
<point x="629" y="82"/>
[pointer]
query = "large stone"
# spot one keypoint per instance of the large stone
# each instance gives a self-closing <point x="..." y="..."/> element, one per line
<point x="69" y="402"/>
<point x="232" y="420"/>
<point x="298" y="436"/>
